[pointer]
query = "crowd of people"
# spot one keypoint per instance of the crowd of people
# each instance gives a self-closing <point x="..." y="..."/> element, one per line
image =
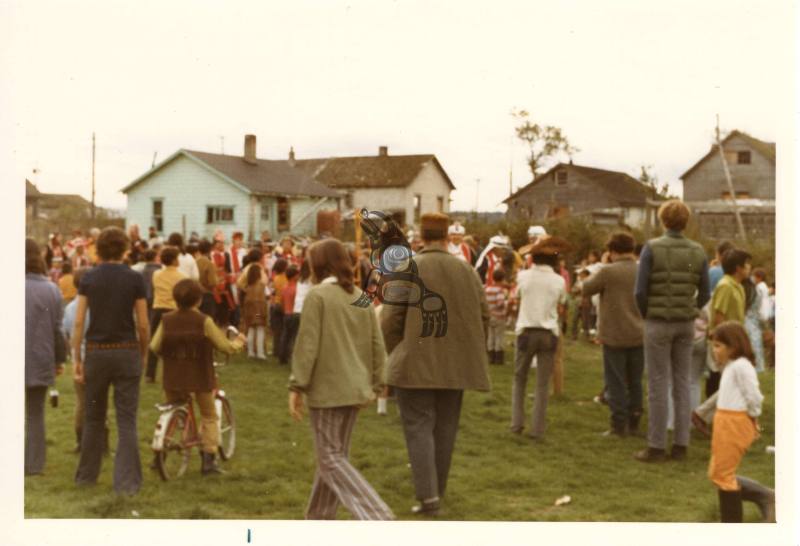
<point x="660" y="309"/>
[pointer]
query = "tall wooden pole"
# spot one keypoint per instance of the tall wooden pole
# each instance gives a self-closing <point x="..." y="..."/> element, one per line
<point x="739" y="224"/>
<point x="357" y="226"/>
<point x="93" y="155"/>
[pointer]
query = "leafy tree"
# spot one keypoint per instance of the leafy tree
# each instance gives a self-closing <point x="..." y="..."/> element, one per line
<point x="544" y="141"/>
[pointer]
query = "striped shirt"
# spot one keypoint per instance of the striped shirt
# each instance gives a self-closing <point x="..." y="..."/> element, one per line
<point x="496" y="298"/>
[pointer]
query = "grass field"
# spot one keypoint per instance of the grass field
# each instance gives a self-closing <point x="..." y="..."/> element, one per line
<point x="495" y="475"/>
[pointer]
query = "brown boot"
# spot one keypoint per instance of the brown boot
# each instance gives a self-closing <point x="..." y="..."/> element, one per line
<point x="210" y="464"/>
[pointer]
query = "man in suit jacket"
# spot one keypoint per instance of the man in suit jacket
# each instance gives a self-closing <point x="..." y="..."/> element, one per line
<point x="429" y="374"/>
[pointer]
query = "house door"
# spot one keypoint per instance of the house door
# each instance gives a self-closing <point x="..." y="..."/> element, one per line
<point x="283" y="214"/>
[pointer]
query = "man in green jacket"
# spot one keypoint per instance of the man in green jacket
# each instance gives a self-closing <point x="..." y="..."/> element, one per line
<point x="430" y="374"/>
<point x="671" y="287"/>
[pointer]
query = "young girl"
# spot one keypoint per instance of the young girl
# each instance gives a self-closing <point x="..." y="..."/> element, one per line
<point x="291" y="319"/>
<point x="254" y="312"/>
<point x="735" y="424"/>
<point x="278" y="283"/>
<point x="339" y="367"/>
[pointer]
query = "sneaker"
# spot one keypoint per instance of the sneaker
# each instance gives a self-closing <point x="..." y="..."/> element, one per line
<point x="650" y="455"/>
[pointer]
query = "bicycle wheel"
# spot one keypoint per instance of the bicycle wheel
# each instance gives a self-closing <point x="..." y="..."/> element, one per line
<point x="227" y="428"/>
<point x="173" y="458"/>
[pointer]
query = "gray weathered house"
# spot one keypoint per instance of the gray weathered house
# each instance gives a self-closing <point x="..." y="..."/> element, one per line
<point x="752" y="167"/>
<point x="605" y="197"/>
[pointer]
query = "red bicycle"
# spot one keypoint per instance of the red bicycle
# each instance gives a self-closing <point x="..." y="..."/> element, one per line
<point x="176" y="433"/>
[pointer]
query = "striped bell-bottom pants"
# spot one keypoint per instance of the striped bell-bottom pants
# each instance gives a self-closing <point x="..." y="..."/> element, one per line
<point x="336" y="480"/>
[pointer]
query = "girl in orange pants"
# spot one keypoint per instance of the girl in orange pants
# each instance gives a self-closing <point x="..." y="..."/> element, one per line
<point x="735" y="424"/>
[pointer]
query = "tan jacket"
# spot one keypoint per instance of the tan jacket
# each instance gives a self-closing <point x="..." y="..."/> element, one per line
<point x="456" y="360"/>
<point x="339" y="358"/>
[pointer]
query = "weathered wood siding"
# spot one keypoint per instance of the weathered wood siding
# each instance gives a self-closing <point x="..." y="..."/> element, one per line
<point x="577" y="196"/>
<point x="707" y="182"/>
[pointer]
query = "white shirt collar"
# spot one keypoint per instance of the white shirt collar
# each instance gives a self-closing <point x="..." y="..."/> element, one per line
<point x="328" y="280"/>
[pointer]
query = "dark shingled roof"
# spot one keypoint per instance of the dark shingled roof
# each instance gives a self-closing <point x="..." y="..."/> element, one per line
<point x="622" y="187"/>
<point x="767" y="149"/>
<point x="266" y="176"/>
<point x="377" y="171"/>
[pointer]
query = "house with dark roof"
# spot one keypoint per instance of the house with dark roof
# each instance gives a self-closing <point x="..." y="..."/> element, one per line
<point x="751" y="163"/>
<point x="403" y="186"/>
<point x="201" y="192"/>
<point x="603" y="196"/>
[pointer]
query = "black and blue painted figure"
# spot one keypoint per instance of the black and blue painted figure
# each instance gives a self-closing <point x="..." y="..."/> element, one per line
<point x="394" y="279"/>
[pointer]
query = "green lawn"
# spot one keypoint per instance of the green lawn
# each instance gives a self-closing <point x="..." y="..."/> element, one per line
<point x="495" y="475"/>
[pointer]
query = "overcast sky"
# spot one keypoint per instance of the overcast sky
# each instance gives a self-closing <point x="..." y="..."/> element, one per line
<point x="630" y="83"/>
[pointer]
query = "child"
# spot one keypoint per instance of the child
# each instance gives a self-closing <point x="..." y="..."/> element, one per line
<point x="497" y="298"/>
<point x="291" y="320"/>
<point x="275" y="305"/>
<point x="254" y="312"/>
<point x="186" y="339"/>
<point x="735" y="424"/>
<point x="67" y="324"/>
<point x="66" y="283"/>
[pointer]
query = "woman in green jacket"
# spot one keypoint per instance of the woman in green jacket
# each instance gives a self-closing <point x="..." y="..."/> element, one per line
<point x="339" y="366"/>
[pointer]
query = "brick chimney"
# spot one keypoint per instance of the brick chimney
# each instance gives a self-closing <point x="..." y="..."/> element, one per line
<point x="383" y="151"/>
<point x="250" y="149"/>
<point x="291" y="156"/>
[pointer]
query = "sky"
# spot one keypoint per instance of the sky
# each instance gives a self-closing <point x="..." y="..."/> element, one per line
<point x="630" y="84"/>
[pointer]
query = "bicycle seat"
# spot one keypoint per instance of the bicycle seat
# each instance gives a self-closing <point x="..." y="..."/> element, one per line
<point x="169" y="407"/>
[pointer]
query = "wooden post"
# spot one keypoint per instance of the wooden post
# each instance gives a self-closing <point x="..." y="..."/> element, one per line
<point x="357" y="229"/>
<point x="183" y="226"/>
<point x="739" y="224"/>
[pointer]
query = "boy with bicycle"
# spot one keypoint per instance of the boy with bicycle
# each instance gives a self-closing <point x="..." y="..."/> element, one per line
<point x="186" y="339"/>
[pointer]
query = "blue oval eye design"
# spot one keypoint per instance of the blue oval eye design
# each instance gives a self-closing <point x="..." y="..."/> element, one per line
<point x="396" y="258"/>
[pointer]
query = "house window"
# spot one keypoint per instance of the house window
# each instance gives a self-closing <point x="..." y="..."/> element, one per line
<point x="743" y="158"/>
<point x="440" y="204"/>
<point x="265" y="205"/>
<point x="561" y="178"/>
<point x="739" y="195"/>
<point x="219" y="214"/>
<point x="417" y="207"/>
<point x="158" y="215"/>
<point x="283" y="214"/>
<point x="348" y="200"/>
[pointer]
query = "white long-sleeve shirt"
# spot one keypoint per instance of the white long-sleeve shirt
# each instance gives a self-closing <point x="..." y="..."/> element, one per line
<point x="188" y="266"/>
<point x="738" y="388"/>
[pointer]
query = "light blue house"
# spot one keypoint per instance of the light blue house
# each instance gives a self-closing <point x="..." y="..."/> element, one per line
<point x="201" y="192"/>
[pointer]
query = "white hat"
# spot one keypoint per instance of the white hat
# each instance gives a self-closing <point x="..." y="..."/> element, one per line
<point x="456" y="229"/>
<point x="535" y="231"/>
<point x="499" y="240"/>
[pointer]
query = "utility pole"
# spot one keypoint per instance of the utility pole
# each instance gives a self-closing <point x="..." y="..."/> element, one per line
<point x="153" y="164"/>
<point x="739" y="224"/>
<point x="93" y="157"/>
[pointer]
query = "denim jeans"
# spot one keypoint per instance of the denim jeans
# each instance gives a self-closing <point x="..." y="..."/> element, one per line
<point x="622" y="368"/>
<point x="121" y="368"/>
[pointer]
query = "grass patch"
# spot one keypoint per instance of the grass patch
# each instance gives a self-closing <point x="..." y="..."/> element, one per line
<point x="495" y="475"/>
